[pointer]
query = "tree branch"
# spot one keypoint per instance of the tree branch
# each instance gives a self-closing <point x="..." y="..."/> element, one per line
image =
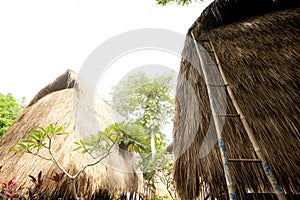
<point x="55" y="161"/>
<point x="36" y="154"/>
<point x="74" y="189"/>
<point x="92" y="164"/>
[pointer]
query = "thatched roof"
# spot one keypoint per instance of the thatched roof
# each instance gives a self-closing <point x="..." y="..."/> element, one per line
<point x="55" y="104"/>
<point x="222" y="12"/>
<point x="259" y="52"/>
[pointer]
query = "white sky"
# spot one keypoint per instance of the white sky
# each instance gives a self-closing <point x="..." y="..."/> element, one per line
<point x="146" y="59"/>
<point x="40" y="40"/>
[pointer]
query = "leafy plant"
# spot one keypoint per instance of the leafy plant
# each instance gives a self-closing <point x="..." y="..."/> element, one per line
<point x="60" y="179"/>
<point x="9" y="190"/>
<point x="147" y="100"/>
<point x="151" y="165"/>
<point x="37" y="139"/>
<point x="37" y="184"/>
<point x="146" y="103"/>
<point x="134" y="137"/>
<point x="128" y="133"/>
<point x="165" y="175"/>
<point x="10" y="107"/>
<point x="42" y="138"/>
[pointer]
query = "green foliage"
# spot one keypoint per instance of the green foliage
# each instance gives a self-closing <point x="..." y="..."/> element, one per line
<point x="165" y="175"/>
<point x="135" y="136"/>
<point x="129" y="133"/>
<point x="99" y="143"/>
<point x="42" y="138"/>
<point x="140" y="95"/>
<point x="37" y="139"/>
<point x="151" y="165"/>
<point x="148" y="101"/>
<point x="9" y="110"/>
<point x="178" y="2"/>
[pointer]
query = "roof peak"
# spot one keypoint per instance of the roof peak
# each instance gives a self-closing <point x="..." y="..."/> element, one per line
<point x="65" y="81"/>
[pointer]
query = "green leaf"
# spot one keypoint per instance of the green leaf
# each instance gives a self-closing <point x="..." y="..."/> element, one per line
<point x="81" y="142"/>
<point x="58" y="129"/>
<point x="77" y="148"/>
<point x="37" y="133"/>
<point x="140" y="147"/>
<point x="42" y="129"/>
<point x="22" y="145"/>
<point x="14" y="149"/>
<point x="33" y="136"/>
<point x="48" y="129"/>
<point x="28" y="141"/>
<point x="77" y="143"/>
<point x="126" y="140"/>
<point x="130" y="147"/>
<point x="62" y="133"/>
<point x="84" y="151"/>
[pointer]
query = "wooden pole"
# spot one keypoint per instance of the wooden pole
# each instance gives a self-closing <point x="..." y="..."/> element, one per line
<point x="266" y="166"/>
<point x="230" y="187"/>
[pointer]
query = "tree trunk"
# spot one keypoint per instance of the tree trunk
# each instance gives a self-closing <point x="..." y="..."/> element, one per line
<point x="152" y="142"/>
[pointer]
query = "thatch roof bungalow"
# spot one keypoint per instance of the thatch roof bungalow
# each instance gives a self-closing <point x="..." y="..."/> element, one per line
<point x="55" y="104"/>
<point x="257" y="43"/>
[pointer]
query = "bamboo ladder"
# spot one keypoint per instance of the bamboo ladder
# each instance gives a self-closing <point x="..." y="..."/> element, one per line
<point x="216" y="117"/>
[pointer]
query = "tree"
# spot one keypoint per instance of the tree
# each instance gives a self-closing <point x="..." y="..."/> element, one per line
<point x="146" y="103"/>
<point x="178" y="2"/>
<point x="131" y="138"/>
<point x="43" y="138"/>
<point x="9" y="110"/>
<point x="149" y="101"/>
<point x="165" y="173"/>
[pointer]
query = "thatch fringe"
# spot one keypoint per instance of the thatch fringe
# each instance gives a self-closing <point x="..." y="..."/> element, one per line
<point x="222" y="12"/>
<point x="261" y="58"/>
<point x="56" y="105"/>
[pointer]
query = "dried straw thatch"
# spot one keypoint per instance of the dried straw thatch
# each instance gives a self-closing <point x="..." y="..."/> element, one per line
<point x="258" y="45"/>
<point x="55" y="104"/>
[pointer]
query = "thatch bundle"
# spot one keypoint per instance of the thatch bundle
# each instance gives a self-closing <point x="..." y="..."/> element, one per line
<point x="259" y="51"/>
<point x="55" y="104"/>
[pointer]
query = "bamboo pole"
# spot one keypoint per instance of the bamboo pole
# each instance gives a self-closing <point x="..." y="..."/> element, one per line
<point x="230" y="186"/>
<point x="266" y="166"/>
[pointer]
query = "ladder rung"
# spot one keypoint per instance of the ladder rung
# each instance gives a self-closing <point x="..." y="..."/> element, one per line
<point x="244" y="160"/>
<point x="228" y="115"/>
<point x="210" y="85"/>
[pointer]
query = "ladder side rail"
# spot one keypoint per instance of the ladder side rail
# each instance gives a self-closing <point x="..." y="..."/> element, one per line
<point x="276" y="187"/>
<point x="230" y="187"/>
